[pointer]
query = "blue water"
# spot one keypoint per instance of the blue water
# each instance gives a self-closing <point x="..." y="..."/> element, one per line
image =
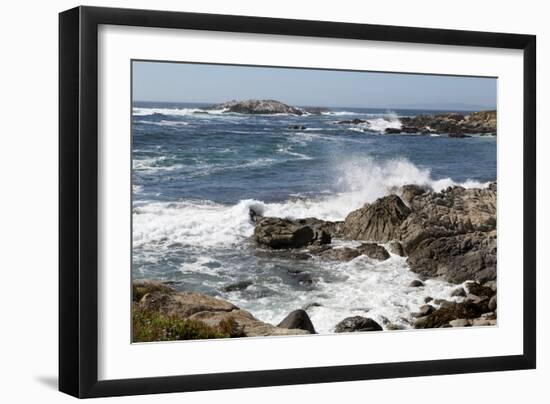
<point x="196" y="174"/>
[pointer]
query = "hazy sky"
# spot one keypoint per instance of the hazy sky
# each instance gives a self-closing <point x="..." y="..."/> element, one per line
<point x="183" y="82"/>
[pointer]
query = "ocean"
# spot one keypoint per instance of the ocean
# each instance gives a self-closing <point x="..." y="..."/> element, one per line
<point x="197" y="173"/>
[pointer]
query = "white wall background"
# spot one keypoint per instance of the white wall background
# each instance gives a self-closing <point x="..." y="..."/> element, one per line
<point x="28" y="201"/>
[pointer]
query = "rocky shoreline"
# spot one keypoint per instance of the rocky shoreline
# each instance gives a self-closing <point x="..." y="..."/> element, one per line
<point x="448" y="235"/>
<point x="452" y="124"/>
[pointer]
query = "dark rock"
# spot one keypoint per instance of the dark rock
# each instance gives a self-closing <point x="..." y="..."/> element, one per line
<point x="428" y="299"/>
<point x="396" y="248"/>
<point x="392" y="131"/>
<point x="356" y="324"/>
<point x="443" y="315"/>
<point x="479" y="290"/>
<point x="416" y="283"/>
<point x="424" y="310"/>
<point x="298" y="319"/>
<point x="258" y="107"/>
<point x="458" y="292"/>
<point x="296" y="127"/>
<point x="233" y="287"/>
<point x="311" y="305"/>
<point x="456" y="258"/>
<point x="355" y="121"/>
<point x="374" y="251"/>
<point x="394" y="327"/>
<point x="379" y="221"/>
<point x="453" y="124"/>
<point x="340" y="254"/>
<point x="282" y="233"/>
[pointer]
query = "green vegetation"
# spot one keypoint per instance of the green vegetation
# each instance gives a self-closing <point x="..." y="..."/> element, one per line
<point x="149" y="326"/>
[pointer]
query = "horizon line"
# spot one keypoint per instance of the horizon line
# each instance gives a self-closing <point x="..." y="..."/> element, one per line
<point x="476" y="107"/>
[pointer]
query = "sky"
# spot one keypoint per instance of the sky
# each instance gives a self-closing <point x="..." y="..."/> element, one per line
<point x="208" y="83"/>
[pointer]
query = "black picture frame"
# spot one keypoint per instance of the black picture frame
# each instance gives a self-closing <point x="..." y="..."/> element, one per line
<point x="78" y="201"/>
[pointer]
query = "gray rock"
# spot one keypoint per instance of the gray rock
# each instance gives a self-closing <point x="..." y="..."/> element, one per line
<point x="416" y="284"/>
<point x="282" y="233"/>
<point x="237" y="286"/>
<point x="396" y="248"/>
<point x="356" y="324"/>
<point x="298" y="319"/>
<point x="458" y="292"/>
<point x="379" y="221"/>
<point x="340" y="254"/>
<point x="258" y="107"/>
<point x="374" y="251"/>
<point x="424" y="310"/>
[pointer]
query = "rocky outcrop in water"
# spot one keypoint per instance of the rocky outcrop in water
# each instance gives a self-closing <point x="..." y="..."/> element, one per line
<point x="258" y="107"/>
<point x="449" y="234"/>
<point x="203" y="309"/>
<point x="453" y="124"/>
<point x="379" y="221"/>
<point x="278" y="233"/>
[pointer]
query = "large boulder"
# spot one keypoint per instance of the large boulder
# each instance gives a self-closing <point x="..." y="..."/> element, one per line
<point x="357" y="324"/>
<point x="374" y="251"/>
<point x="258" y="107"/>
<point x="298" y="319"/>
<point x="155" y="297"/>
<point x="456" y="259"/>
<point x="279" y="233"/>
<point x="379" y="221"/>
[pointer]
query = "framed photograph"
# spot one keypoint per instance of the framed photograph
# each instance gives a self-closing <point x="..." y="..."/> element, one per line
<point x="251" y="201"/>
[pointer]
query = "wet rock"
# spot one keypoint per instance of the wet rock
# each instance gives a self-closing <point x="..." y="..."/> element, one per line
<point x="416" y="283"/>
<point x="396" y="248"/>
<point x="394" y="327"/>
<point x="374" y="251"/>
<point x="237" y="286"/>
<point x="298" y="319"/>
<point x="458" y="292"/>
<point x="340" y="254"/>
<point x="428" y="299"/>
<point x="355" y="121"/>
<point x="357" y="324"/>
<point x="424" y="310"/>
<point x="311" y="305"/>
<point x="379" y="221"/>
<point x="279" y="233"/>
<point x="296" y="127"/>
